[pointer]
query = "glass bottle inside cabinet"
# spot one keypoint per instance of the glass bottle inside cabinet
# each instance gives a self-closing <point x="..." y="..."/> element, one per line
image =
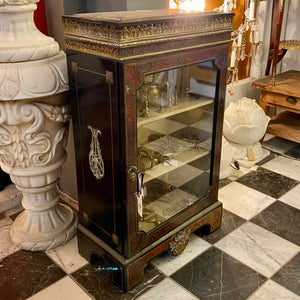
<point x="175" y="110"/>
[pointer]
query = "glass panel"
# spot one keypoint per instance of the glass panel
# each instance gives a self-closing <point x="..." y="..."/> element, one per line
<point x="175" y="123"/>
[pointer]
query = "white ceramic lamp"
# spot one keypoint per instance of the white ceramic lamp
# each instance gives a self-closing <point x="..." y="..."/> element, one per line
<point x="245" y="124"/>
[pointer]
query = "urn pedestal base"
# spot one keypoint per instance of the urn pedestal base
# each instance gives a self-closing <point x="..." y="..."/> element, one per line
<point x="39" y="231"/>
<point x="32" y="150"/>
<point x="248" y="155"/>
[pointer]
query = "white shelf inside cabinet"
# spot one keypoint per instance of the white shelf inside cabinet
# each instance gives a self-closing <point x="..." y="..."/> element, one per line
<point x="184" y="105"/>
<point x="182" y="158"/>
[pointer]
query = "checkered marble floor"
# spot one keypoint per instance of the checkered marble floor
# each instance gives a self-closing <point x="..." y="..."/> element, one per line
<point x="254" y="255"/>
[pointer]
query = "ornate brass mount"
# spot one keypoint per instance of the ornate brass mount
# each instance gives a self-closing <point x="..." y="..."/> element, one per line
<point x="95" y="156"/>
<point x="180" y="242"/>
<point x="132" y="173"/>
<point x="154" y="94"/>
<point x="148" y="159"/>
<point x="150" y="216"/>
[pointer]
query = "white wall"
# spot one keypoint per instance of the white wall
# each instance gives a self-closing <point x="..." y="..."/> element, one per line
<point x="73" y="6"/>
<point x="291" y="31"/>
<point x="105" y="5"/>
<point x="242" y="89"/>
<point x="139" y="4"/>
<point x="54" y="11"/>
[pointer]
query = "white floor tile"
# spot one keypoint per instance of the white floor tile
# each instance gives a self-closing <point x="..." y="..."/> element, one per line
<point x="6" y="245"/>
<point x="10" y="197"/>
<point x="258" y="248"/>
<point x="181" y="175"/>
<point x="169" y="264"/>
<point x="165" y="126"/>
<point x="235" y="174"/>
<point x="67" y="256"/>
<point x="292" y="197"/>
<point x="167" y="290"/>
<point x="205" y="122"/>
<point x="273" y="291"/>
<point x="243" y="201"/>
<point x="285" y="166"/>
<point x="65" y="289"/>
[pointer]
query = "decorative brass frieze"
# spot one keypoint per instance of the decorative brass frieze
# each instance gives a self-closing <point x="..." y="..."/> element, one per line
<point x="133" y="51"/>
<point x="134" y="32"/>
<point x="125" y="40"/>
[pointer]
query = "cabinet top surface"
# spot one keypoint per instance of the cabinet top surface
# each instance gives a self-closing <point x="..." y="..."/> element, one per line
<point x="287" y="83"/>
<point x="127" y="35"/>
<point x="141" y="16"/>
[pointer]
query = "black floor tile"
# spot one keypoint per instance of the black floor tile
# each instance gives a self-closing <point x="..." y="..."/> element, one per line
<point x="188" y="118"/>
<point x="266" y="159"/>
<point x="294" y="153"/>
<point x="14" y="216"/>
<point x="198" y="186"/>
<point x="202" y="163"/>
<point x="229" y="223"/>
<point x="215" y="275"/>
<point x="25" y="273"/>
<point x="155" y="189"/>
<point x="99" y="284"/>
<point x="192" y="134"/>
<point x="268" y="182"/>
<point x="281" y="219"/>
<point x="223" y="182"/>
<point x="289" y="275"/>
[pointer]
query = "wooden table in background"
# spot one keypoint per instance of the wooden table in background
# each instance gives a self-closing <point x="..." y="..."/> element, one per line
<point x="285" y="95"/>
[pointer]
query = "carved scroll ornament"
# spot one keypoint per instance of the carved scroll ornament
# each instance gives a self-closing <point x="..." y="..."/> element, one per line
<point x="24" y="142"/>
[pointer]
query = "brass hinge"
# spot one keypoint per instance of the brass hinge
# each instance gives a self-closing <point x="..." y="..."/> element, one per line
<point x="115" y="239"/>
<point x="74" y="67"/>
<point x="109" y="77"/>
<point x="85" y="218"/>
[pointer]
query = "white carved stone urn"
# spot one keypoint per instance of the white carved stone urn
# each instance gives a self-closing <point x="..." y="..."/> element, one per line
<point x="226" y="159"/>
<point x="34" y="116"/>
<point x="245" y="124"/>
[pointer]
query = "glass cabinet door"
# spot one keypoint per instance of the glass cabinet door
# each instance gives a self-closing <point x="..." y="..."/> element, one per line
<point x="175" y="122"/>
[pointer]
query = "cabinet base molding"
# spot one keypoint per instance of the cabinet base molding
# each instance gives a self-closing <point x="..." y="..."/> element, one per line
<point x="128" y="272"/>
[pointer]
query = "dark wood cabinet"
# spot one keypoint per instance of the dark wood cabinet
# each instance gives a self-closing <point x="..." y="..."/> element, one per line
<point x="147" y="91"/>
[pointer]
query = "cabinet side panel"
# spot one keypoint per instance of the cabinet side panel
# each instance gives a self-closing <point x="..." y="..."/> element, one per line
<point x="93" y="82"/>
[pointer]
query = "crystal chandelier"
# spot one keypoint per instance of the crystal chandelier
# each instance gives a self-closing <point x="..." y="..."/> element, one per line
<point x="247" y="30"/>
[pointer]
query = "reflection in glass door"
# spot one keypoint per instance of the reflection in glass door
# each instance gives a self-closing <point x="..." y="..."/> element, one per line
<point x="175" y="111"/>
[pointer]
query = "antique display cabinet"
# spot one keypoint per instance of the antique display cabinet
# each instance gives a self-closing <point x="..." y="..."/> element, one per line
<point x="148" y="92"/>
